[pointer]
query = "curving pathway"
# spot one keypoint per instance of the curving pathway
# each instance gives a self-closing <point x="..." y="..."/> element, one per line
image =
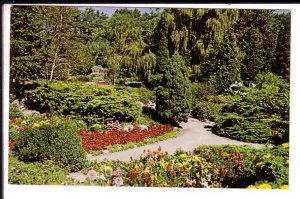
<point x="192" y="134"/>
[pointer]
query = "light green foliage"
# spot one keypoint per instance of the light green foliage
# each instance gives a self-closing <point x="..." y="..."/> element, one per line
<point x="37" y="173"/>
<point x="206" y="110"/>
<point x="173" y="97"/>
<point x="92" y="103"/>
<point x="57" y="143"/>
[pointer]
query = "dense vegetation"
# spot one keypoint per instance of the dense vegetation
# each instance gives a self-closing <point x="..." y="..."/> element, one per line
<point x="117" y="82"/>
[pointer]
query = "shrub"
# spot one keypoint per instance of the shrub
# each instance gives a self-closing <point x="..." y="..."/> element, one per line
<point x="36" y="173"/>
<point x="83" y="77"/>
<point x="174" y="94"/>
<point x="14" y="112"/>
<point x="260" y="116"/>
<point x="57" y="143"/>
<point x="206" y="110"/>
<point x="233" y="166"/>
<point x="94" y="104"/>
<point x="201" y="92"/>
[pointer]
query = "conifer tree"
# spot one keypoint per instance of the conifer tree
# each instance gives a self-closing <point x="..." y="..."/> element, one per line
<point x="174" y="93"/>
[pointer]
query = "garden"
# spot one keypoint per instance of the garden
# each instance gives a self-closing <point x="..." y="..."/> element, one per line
<point x="127" y="81"/>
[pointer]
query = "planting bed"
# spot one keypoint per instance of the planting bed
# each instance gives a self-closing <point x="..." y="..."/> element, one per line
<point x="100" y="140"/>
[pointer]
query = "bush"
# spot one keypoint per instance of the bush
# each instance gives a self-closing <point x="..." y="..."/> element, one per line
<point x="206" y="110"/>
<point x="94" y="104"/>
<point x="201" y="92"/>
<point x="36" y="173"/>
<point x="14" y="112"/>
<point x="240" y="166"/>
<point x="83" y="77"/>
<point x="233" y="166"/>
<point x="260" y="116"/>
<point x="57" y="143"/>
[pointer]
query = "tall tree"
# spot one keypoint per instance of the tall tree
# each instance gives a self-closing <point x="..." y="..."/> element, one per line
<point x="26" y="43"/>
<point x="124" y="50"/>
<point x="173" y="95"/>
<point x="257" y="33"/>
<point x="282" y="66"/>
<point x="60" y="29"/>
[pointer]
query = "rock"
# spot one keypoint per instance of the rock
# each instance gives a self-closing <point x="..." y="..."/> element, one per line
<point x="102" y="177"/>
<point x="92" y="174"/>
<point x="89" y="157"/>
<point x="128" y="128"/>
<point x="105" y="151"/>
<point x="142" y="127"/>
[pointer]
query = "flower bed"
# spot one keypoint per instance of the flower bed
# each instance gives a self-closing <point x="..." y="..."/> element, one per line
<point x="100" y="140"/>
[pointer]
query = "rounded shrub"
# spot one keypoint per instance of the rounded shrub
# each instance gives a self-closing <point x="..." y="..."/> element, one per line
<point x="206" y="110"/>
<point x="57" y="143"/>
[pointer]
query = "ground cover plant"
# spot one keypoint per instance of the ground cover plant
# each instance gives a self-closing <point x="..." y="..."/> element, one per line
<point x="100" y="140"/>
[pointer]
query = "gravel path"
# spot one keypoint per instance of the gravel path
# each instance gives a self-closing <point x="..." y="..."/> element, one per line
<point x="192" y="134"/>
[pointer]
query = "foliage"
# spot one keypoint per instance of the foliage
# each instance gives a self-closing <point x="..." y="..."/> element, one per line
<point x="38" y="173"/>
<point x="100" y="140"/>
<point x="14" y="112"/>
<point x="43" y="142"/>
<point x="207" y="166"/>
<point x="201" y="92"/>
<point x="261" y="115"/>
<point x="206" y="110"/>
<point x="94" y="104"/>
<point x="83" y="77"/>
<point x="173" y="96"/>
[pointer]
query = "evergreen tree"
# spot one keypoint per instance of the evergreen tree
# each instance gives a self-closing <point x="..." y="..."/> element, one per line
<point x="174" y="93"/>
<point x="282" y="66"/>
<point x="26" y="56"/>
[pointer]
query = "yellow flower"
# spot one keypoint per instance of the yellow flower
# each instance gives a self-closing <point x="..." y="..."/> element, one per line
<point x="259" y="164"/>
<point x="284" y="186"/>
<point x="267" y="156"/>
<point x="251" y="187"/>
<point x="285" y="145"/>
<point x="287" y="161"/>
<point x="264" y="186"/>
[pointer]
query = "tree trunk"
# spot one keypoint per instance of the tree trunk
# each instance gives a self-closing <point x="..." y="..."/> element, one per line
<point x="59" y="32"/>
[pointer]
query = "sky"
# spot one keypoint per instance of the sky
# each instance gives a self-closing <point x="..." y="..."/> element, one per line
<point x="110" y="10"/>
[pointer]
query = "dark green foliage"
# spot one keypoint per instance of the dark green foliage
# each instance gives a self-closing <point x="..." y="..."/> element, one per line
<point x="92" y="103"/>
<point x="260" y="116"/>
<point x="201" y="91"/>
<point x="27" y="58"/>
<point x="282" y="66"/>
<point x="173" y="97"/>
<point x="163" y="51"/>
<point x="57" y="143"/>
<point x="36" y="173"/>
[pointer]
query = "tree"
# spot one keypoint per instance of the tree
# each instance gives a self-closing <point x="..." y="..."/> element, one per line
<point x="173" y="95"/>
<point x="257" y="33"/>
<point x="26" y="43"/>
<point x="123" y="48"/>
<point x="59" y="34"/>
<point x="282" y="66"/>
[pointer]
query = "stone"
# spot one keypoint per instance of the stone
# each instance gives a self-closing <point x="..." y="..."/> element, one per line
<point x="105" y="151"/>
<point x="142" y="127"/>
